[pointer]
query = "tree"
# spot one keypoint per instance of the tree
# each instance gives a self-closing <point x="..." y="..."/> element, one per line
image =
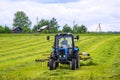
<point x="66" y="28"/>
<point x="84" y="29"/>
<point x="75" y="28"/>
<point x="54" y="25"/>
<point x="79" y="29"/>
<point x="1" y="29"/>
<point x="21" y="20"/>
<point x="7" y="29"/>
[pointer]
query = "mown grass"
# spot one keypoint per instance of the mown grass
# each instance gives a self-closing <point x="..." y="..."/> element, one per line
<point x="18" y="52"/>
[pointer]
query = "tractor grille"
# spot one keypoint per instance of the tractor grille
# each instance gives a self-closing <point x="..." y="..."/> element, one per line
<point x="62" y="53"/>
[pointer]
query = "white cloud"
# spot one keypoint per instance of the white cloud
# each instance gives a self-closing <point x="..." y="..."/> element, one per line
<point x="87" y="12"/>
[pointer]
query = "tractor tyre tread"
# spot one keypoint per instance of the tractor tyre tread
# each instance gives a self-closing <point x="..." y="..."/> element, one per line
<point x="51" y="64"/>
<point x="73" y="64"/>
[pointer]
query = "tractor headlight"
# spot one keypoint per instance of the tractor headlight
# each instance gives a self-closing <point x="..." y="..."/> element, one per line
<point x="59" y="55"/>
<point x="63" y="55"/>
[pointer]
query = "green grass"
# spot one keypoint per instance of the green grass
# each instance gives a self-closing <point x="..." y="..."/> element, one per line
<point x="18" y="52"/>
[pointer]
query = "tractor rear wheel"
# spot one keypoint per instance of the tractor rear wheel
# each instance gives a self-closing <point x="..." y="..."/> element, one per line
<point x="73" y="64"/>
<point x="51" y="64"/>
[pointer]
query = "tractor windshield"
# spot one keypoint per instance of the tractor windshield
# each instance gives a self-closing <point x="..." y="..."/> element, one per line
<point x="64" y="42"/>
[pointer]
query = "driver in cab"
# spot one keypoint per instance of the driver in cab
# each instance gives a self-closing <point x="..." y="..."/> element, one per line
<point x="64" y="42"/>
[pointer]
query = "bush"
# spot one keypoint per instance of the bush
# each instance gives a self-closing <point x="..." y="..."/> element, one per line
<point x="26" y="30"/>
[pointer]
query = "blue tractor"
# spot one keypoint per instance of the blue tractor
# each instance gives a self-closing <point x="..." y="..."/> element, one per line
<point x="64" y="51"/>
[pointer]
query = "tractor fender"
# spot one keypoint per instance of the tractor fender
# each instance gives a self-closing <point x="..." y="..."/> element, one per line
<point x="52" y="55"/>
<point x="76" y="49"/>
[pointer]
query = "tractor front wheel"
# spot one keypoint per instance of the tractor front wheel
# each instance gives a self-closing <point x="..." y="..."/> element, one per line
<point x="73" y="64"/>
<point x="77" y="63"/>
<point x="51" y="64"/>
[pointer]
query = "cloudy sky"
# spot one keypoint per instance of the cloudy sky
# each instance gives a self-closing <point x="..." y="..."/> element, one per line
<point x="87" y="12"/>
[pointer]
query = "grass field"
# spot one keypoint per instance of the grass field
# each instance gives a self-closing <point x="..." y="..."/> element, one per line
<point x="18" y="52"/>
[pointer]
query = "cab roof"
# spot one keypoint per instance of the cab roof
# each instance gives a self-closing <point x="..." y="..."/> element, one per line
<point x="64" y="34"/>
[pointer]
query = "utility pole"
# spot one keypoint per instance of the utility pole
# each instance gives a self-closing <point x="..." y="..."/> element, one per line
<point x="99" y="28"/>
<point x="37" y="20"/>
<point x="73" y="23"/>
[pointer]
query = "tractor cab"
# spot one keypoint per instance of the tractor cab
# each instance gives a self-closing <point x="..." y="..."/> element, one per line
<point x="64" y="41"/>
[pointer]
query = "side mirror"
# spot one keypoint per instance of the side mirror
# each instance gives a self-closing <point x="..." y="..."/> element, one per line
<point x="48" y="38"/>
<point x="77" y="37"/>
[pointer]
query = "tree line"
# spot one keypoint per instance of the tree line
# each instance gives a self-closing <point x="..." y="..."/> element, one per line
<point x="22" y="20"/>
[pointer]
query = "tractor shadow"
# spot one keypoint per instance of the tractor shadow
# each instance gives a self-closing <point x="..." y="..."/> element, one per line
<point x="64" y="66"/>
<point x="82" y="63"/>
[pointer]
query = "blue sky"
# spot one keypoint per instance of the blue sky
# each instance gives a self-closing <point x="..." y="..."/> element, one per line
<point x="87" y="12"/>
